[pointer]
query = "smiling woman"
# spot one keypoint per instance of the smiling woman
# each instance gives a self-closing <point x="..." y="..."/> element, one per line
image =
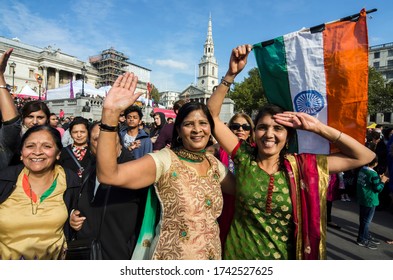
<point x="187" y="180"/>
<point x="38" y="195"/>
<point x="280" y="197"/>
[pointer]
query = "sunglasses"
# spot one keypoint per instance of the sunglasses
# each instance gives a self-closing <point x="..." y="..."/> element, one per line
<point x="236" y="126"/>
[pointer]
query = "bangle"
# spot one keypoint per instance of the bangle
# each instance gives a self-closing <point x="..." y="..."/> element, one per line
<point x="7" y="87"/>
<point x="105" y="127"/>
<point x="225" y="82"/>
<point x="338" y="138"/>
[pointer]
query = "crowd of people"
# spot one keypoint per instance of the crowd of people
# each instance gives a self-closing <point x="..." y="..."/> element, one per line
<point x="192" y="187"/>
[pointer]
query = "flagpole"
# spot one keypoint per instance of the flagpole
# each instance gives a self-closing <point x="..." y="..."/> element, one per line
<point x="321" y="27"/>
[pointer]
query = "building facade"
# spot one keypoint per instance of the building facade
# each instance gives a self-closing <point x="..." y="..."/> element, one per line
<point x="167" y="98"/>
<point x="381" y="58"/>
<point x="57" y="69"/>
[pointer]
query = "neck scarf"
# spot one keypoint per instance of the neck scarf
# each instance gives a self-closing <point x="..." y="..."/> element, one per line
<point x="79" y="152"/>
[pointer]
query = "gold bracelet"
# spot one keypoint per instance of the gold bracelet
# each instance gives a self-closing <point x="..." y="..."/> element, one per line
<point x="338" y="138"/>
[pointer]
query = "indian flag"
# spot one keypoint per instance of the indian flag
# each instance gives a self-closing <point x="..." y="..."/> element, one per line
<point x="323" y="73"/>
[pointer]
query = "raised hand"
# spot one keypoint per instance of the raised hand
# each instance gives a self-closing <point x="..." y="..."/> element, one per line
<point x="4" y="59"/>
<point x="122" y="93"/>
<point x="238" y="59"/>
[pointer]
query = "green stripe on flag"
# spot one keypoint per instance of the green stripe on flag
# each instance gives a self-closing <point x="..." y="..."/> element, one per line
<point x="272" y="68"/>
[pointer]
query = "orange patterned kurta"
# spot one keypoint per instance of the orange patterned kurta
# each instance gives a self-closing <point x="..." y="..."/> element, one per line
<point x="190" y="207"/>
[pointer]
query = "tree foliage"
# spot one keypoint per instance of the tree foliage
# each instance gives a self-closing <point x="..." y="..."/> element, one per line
<point x="248" y="95"/>
<point x="380" y="94"/>
<point x="155" y="94"/>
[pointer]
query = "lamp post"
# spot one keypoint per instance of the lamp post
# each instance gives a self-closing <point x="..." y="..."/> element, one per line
<point x="84" y="71"/>
<point x="13" y="66"/>
<point x="39" y="80"/>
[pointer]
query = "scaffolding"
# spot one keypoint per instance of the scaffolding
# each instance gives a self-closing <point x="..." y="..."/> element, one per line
<point x="109" y="64"/>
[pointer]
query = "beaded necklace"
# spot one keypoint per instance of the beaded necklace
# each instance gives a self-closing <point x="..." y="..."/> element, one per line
<point x="189" y="155"/>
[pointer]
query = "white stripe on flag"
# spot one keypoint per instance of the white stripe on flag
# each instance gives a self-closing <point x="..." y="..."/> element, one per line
<point x="305" y="63"/>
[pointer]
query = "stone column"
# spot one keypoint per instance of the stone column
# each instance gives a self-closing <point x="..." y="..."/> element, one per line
<point x="45" y="76"/>
<point x="57" y="81"/>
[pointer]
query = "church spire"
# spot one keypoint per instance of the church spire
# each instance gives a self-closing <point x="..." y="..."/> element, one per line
<point x="209" y="45"/>
<point x="208" y="66"/>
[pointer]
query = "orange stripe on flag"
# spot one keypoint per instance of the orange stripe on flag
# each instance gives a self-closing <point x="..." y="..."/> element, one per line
<point x="346" y="69"/>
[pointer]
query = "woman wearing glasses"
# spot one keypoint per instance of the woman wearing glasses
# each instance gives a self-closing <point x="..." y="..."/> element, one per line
<point x="243" y="127"/>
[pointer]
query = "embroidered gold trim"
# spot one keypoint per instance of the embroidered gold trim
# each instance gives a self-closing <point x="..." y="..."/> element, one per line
<point x="189" y="155"/>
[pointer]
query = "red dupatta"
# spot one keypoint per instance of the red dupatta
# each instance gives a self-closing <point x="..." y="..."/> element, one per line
<point x="306" y="202"/>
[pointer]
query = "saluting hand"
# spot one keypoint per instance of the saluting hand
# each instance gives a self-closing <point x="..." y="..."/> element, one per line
<point x="298" y="120"/>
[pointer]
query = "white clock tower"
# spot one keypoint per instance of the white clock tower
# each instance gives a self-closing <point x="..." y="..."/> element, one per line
<point x="208" y="67"/>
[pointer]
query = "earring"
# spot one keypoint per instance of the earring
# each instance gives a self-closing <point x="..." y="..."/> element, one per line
<point x="178" y="139"/>
<point x="287" y="146"/>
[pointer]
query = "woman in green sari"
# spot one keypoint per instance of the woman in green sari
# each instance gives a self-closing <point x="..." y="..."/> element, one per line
<point x="280" y="210"/>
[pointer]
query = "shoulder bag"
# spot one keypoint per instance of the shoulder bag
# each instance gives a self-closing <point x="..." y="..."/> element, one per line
<point x="87" y="249"/>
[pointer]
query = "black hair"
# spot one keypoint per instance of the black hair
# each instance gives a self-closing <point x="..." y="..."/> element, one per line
<point x="53" y="132"/>
<point x="83" y="121"/>
<point x="375" y="135"/>
<point x="184" y="111"/>
<point x="79" y="120"/>
<point x="34" y="106"/>
<point x="133" y="108"/>
<point x="178" y="104"/>
<point x="272" y="109"/>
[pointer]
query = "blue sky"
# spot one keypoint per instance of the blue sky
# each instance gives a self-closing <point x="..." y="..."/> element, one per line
<point x="168" y="36"/>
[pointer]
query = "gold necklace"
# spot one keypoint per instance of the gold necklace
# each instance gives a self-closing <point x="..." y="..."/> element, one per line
<point x="190" y="156"/>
